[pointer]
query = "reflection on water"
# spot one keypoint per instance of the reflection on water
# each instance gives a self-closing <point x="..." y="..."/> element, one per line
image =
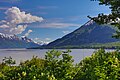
<point x="24" y="54"/>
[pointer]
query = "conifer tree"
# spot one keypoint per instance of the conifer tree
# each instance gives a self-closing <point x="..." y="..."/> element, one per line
<point x="113" y="18"/>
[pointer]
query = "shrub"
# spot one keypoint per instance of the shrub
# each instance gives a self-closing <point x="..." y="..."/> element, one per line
<point x="57" y="65"/>
<point x="100" y="66"/>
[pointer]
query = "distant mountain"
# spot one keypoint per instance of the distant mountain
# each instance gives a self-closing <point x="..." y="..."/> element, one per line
<point x="86" y="36"/>
<point x="13" y="41"/>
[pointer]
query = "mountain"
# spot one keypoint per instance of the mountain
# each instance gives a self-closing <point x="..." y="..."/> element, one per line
<point x="88" y="35"/>
<point x="13" y="41"/>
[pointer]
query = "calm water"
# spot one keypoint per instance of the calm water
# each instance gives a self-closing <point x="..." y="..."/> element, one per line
<point x="25" y="54"/>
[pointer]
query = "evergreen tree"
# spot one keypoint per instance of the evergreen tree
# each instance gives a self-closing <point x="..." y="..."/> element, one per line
<point x="113" y="18"/>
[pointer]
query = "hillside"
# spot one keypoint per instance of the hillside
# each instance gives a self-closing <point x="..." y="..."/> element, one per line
<point x="13" y="41"/>
<point x="88" y="35"/>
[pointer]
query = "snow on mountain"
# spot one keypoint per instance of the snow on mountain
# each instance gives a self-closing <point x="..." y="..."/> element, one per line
<point x="89" y="23"/>
<point x="88" y="34"/>
<point x="13" y="41"/>
<point x="6" y="36"/>
<point x="24" y="38"/>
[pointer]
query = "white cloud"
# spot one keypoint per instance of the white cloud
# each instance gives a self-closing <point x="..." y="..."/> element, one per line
<point x="27" y="34"/>
<point x="18" y="30"/>
<point x="47" y="7"/>
<point x="9" y="1"/>
<point x="3" y="8"/>
<point x="57" y="25"/>
<point x="66" y="32"/>
<point x="42" y="41"/>
<point x="16" y="21"/>
<point x="47" y="39"/>
<point x="15" y="16"/>
<point x="4" y="26"/>
<point x="36" y="39"/>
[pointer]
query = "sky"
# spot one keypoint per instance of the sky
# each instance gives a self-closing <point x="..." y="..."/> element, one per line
<point x="46" y="20"/>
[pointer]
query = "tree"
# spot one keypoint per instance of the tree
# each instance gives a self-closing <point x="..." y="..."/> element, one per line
<point x="57" y="65"/>
<point x="9" y="61"/>
<point x="100" y="65"/>
<point x="113" y="18"/>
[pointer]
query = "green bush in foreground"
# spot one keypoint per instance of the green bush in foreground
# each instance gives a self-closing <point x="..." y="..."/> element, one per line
<point x="58" y="65"/>
<point x="100" y="66"/>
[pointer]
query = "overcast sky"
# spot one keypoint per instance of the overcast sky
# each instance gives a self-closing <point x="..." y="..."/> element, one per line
<point x="46" y="20"/>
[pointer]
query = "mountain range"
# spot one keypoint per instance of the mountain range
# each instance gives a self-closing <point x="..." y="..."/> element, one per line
<point x="13" y="41"/>
<point x="89" y="35"/>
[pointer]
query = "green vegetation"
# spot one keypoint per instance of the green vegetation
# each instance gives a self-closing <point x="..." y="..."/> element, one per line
<point x="113" y="18"/>
<point x="58" y="65"/>
<point x="111" y="45"/>
<point x="89" y="35"/>
<point x="100" y="66"/>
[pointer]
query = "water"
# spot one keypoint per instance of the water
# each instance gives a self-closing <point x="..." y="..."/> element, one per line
<point x="26" y="54"/>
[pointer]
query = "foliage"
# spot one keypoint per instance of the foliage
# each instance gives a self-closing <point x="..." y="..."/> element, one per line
<point x="57" y="65"/>
<point x="113" y="18"/>
<point x="100" y="66"/>
<point x="61" y="68"/>
<point x="110" y="45"/>
<point x="8" y="61"/>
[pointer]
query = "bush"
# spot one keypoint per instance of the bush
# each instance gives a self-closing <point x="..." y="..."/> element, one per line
<point x="100" y="66"/>
<point x="57" y="65"/>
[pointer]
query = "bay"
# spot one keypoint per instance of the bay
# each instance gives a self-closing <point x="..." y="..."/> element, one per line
<point x="21" y="55"/>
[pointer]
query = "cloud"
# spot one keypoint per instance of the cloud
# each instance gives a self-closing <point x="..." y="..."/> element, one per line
<point x="57" y="25"/>
<point x="75" y="18"/>
<point x="4" y="26"/>
<point x="18" y="30"/>
<point x="27" y="34"/>
<point x="42" y="9"/>
<point x="9" y="1"/>
<point x="36" y="39"/>
<point x="66" y="32"/>
<point x="47" y="39"/>
<point x="15" y="16"/>
<point x="41" y="12"/>
<point x="47" y="7"/>
<point x="3" y="8"/>
<point x="42" y="41"/>
<point x="16" y="21"/>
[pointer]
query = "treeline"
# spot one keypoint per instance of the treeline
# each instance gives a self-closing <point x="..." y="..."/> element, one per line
<point x="58" y="65"/>
<point x="112" y="45"/>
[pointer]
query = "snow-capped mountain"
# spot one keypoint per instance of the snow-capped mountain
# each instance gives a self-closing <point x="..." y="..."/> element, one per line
<point x="13" y="41"/>
<point x="24" y="38"/>
<point x="87" y="35"/>
<point x="89" y="23"/>
<point x="6" y="36"/>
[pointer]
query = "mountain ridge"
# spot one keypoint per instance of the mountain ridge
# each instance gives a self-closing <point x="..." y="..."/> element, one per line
<point x="13" y="41"/>
<point x="87" y="34"/>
